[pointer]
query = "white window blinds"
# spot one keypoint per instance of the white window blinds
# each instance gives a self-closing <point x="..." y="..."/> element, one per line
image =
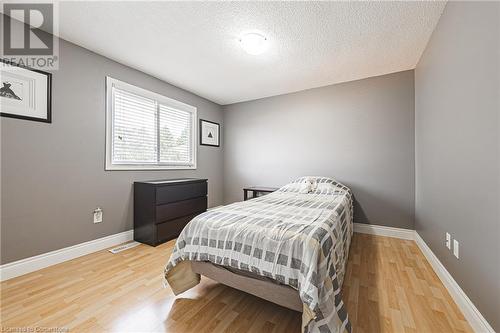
<point x="175" y="135"/>
<point x="134" y="128"/>
<point x="148" y="131"/>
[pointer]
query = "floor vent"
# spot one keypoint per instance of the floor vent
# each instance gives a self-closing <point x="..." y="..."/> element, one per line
<point x="124" y="247"/>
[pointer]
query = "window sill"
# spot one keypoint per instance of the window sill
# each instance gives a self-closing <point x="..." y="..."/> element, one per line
<point x="117" y="167"/>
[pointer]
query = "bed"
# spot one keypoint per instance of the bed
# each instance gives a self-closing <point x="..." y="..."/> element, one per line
<point x="289" y="247"/>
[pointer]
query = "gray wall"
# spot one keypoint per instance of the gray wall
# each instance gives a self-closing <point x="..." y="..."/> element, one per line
<point x="457" y="148"/>
<point x="361" y="133"/>
<point x="53" y="174"/>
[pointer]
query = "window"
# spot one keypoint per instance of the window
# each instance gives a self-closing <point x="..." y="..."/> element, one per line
<point x="145" y="130"/>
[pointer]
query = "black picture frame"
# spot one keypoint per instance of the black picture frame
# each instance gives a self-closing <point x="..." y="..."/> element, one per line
<point x="201" y="133"/>
<point x="48" y="119"/>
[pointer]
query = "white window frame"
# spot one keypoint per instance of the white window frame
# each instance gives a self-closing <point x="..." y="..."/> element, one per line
<point x="160" y="99"/>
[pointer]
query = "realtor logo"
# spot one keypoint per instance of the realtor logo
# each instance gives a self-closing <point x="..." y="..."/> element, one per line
<point x="28" y="34"/>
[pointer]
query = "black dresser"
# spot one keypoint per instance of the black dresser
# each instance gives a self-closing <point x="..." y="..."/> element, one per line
<point x="162" y="208"/>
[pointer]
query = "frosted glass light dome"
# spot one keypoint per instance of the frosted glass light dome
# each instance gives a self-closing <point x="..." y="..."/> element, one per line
<point x="253" y="43"/>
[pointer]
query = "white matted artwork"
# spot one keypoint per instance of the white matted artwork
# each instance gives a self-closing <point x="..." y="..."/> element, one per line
<point x="25" y="93"/>
<point x="209" y="133"/>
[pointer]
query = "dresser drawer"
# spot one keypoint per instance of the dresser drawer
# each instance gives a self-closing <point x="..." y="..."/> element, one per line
<point x="163" y="207"/>
<point x="171" y="229"/>
<point x="180" y="208"/>
<point x="167" y="194"/>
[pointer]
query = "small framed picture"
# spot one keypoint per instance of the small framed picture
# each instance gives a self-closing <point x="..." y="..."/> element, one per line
<point x="209" y="133"/>
<point x="25" y="93"/>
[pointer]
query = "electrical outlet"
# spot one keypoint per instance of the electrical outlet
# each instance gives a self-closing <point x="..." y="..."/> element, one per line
<point x="448" y="241"/>
<point x="98" y="215"/>
<point x="455" y="248"/>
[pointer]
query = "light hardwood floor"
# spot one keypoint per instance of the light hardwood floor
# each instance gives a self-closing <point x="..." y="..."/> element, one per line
<point x="389" y="287"/>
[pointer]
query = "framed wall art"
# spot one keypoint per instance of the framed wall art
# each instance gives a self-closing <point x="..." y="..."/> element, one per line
<point x="25" y="93"/>
<point x="209" y="133"/>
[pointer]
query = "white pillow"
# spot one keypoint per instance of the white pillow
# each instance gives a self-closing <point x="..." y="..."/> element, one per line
<point x="296" y="187"/>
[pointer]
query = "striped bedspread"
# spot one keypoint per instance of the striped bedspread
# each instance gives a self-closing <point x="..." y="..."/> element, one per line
<point x="298" y="236"/>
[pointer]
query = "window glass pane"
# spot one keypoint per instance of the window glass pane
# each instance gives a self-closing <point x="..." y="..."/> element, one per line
<point x="134" y="128"/>
<point x="175" y="136"/>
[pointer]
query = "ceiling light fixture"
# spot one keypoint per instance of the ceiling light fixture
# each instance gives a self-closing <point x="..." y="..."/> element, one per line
<point x="253" y="43"/>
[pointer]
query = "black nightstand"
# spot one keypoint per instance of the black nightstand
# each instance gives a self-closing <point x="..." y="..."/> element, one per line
<point x="256" y="190"/>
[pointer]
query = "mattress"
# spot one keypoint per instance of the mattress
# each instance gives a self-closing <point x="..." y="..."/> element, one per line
<point x="298" y="236"/>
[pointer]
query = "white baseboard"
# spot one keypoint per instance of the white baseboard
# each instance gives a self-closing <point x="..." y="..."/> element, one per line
<point x="379" y="230"/>
<point x="469" y="310"/>
<point x="31" y="264"/>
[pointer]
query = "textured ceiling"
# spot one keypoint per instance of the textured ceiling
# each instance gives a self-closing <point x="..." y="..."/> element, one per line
<point x="194" y="45"/>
